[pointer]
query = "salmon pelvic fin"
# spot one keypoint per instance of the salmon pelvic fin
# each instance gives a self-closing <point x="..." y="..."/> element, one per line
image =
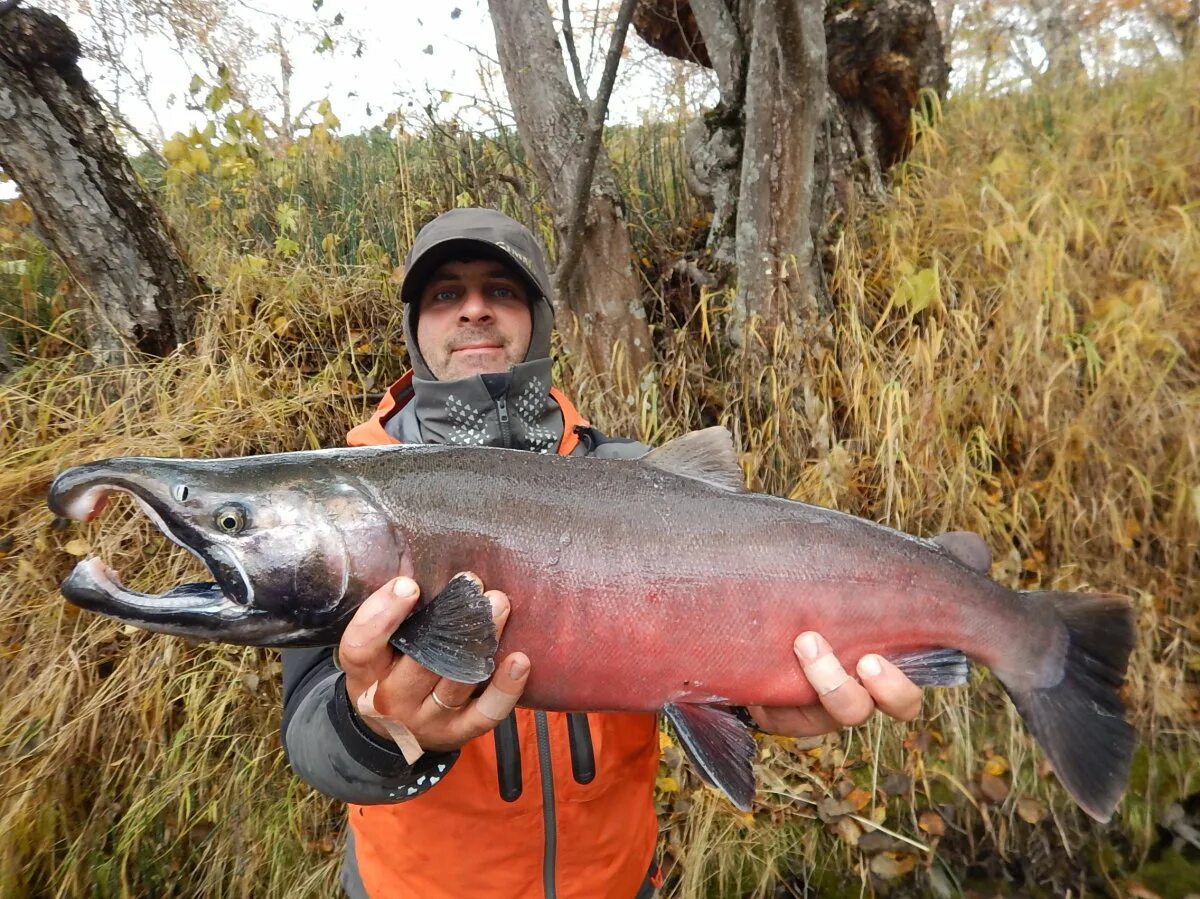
<point x="1080" y="721"/>
<point x="719" y="747"/>
<point x="453" y="635"/>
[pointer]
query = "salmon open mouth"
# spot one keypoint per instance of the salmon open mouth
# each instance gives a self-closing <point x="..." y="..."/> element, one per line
<point x="95" y="585"/>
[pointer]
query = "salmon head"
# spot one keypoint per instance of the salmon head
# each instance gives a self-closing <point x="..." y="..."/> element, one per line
<point x="293" y="543"/>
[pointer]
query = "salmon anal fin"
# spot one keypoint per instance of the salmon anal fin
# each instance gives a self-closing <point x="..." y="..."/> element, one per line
<point x="720" y="748"/>
<point x="933" y="667"/>
<point x="453" y="635"/>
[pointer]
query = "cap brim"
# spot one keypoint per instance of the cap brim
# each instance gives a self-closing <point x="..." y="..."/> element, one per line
<point x="460" y="249"/>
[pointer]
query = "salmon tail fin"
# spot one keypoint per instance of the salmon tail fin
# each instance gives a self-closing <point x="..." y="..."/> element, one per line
<point x="1080" y="721"/>
<point x="453" y="635"/>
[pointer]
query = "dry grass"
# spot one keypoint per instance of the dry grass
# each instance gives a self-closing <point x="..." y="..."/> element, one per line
<point x="1013" y="353"/>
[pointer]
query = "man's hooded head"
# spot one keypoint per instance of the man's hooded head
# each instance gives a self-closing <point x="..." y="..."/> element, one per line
<point x="469" y="234"/>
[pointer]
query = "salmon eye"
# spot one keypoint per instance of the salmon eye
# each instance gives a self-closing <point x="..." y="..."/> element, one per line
<point x="180" y="492"/>
<point x="231" y="519"/>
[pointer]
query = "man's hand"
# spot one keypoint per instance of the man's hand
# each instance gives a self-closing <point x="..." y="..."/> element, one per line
<point x="844" y="701"/>
<point x="441" y="714"/>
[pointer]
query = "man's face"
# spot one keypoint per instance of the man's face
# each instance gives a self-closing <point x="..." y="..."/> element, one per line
<point x="473" y="319"/>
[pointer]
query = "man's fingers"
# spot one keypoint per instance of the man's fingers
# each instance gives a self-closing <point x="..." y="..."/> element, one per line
<point x="483" y="714"/>
<point x="845" y="699"/>
<point x="892" y="691"/>
<point x="803" y="721"/>
<point x="501" y="695"/>
<point x="364" y="652"/>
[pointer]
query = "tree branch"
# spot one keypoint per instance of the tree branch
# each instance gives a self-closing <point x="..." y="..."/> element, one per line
<point x="569" y="40"/>
<point x="573" y="245"/>
<point x="115" y="112"/>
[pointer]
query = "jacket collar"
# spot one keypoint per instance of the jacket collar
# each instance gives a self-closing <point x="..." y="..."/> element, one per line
<point x="540" y="417"/>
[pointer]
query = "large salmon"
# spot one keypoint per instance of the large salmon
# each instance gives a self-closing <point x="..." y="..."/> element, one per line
<point x="656" y="584"/>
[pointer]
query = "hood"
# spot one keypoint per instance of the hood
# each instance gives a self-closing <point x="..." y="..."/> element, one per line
<point x="478" y="234"/>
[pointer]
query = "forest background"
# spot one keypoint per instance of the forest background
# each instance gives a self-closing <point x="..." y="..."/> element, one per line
<point x="1007" y="346"/>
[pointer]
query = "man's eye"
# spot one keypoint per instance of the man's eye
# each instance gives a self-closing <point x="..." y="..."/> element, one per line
<point x="504" y="292"/>
<point x="444" y="296"/>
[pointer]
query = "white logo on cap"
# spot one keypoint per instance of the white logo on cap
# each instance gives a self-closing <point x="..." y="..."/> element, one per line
<point x="515" y="253"/>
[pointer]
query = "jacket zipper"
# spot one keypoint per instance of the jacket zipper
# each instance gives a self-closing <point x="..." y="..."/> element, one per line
<point x="502" y="412"/>
<point x="549" y="822"/>
<point x="548" y="818"/>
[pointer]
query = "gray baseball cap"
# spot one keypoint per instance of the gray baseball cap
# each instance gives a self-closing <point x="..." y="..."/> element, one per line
<point x="474" y="233"/>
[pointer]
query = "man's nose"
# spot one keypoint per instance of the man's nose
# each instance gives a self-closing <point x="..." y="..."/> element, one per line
<point x="475" y="306"/>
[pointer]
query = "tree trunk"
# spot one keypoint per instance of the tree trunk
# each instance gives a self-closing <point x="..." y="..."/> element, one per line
<point x="784" y="105"/>
<point x="780" y="186"/>
<point x="603" y="295"/>
<point x="70" y="169"/>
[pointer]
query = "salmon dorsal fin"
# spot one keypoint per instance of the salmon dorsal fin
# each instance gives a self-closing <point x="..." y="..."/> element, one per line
<point x="706" y="455"/>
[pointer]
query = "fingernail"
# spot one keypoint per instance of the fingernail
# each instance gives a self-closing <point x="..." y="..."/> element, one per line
<point x="518" y="668"/>
<point x="500" y="606"/>
<point x="807" y="646"/>
<point x="870" y="666"/>
<point x="404" y="588"/>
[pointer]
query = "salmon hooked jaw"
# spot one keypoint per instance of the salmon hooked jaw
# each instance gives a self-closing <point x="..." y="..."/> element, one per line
<point x="95" y="585"/>
<point x="290" y="556"/>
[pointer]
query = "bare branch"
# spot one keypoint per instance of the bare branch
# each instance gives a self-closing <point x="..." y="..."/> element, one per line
<point x="115" y="112"/>
<point x="595" y="129"/>
<point x="569" y="40"/>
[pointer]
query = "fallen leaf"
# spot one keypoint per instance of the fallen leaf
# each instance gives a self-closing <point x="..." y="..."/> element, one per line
<point x="1031" y="811"/>
<point x="993" y="787"/>
<point x="931" y="823"/>
<point x="889" y="865"/>
<point x="996" y="766"/>
<point x="830" y="808"/>
<point x="848" y="830"/>
<point x="859" y="797"/>
<point x="78" y="547"/>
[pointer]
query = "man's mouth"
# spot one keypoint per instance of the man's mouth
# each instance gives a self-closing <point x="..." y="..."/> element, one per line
<point x="468" y="347"/>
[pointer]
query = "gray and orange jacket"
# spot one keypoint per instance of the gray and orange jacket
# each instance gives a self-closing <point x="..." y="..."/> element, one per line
<point x="549" y="804"/>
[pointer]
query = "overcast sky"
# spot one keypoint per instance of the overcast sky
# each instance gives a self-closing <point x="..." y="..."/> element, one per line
<point x="386" y="57"/>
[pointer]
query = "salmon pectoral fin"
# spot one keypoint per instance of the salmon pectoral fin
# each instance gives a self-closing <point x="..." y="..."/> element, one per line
<point x="933" y="667"/>
<point x="1080" y="721"/>
<point x="720" y="748"/>
<point x="453" y="635"/>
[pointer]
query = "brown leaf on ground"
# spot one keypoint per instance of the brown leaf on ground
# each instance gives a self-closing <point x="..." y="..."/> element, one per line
<point x="931" y="823"/>
<point x="848" y="830"/>
<point x="890" y="865"/>
<point x="1031" y="811"/>
<point x="993" y="787"/>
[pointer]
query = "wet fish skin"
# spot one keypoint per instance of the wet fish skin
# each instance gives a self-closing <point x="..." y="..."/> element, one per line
<point x="658" y="584"/>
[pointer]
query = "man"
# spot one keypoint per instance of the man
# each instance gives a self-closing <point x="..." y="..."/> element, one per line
<point x="455" y="792"/>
